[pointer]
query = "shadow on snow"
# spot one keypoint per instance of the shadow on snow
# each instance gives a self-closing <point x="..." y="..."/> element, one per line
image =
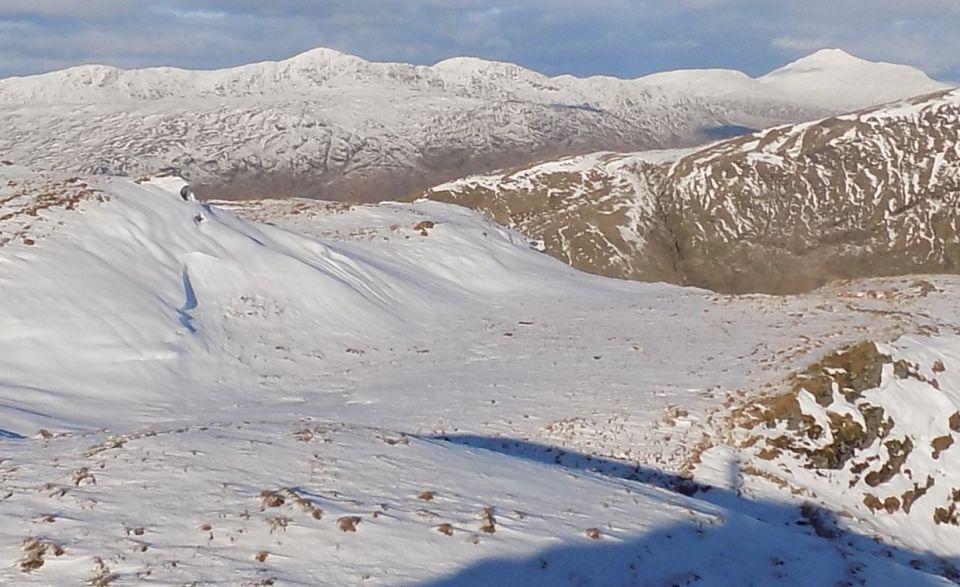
<point x="755" y="543"/>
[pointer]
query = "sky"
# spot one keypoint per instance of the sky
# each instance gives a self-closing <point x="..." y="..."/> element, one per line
<point x="624" y="38"/>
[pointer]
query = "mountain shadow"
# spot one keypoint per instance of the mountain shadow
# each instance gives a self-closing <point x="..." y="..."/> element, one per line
<point x="755" y="543"/>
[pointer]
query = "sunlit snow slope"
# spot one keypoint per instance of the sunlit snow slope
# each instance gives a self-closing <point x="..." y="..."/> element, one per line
<point x="321" y="394"/>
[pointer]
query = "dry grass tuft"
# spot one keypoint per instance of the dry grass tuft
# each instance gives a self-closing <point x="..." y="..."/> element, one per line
<point x="103" y="576"/>
<point x="35" y="550"/>
<point x="423" y="226"/>
<point x="488" y="522"/>
<point x="83" y="476"/>
<point x="304" y="503"/>
<point x="278" y="523"/>
<point x="271" y="499"/>
<point x="111" y="443"/>
<point x="594" y="533"/>
<point x="445" y="529"/>
<point x="261" y="556"/>
<point x="426" y="496"/>
<point x="348" y="523"/>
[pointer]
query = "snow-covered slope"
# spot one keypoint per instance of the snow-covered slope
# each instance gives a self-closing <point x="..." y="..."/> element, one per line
<point x="871" y="427"/>
<point x="782" y="210"/>
<point x="162" y="277"/>
<point x="328" y="123"/>
<point x="596" y="212"/>
<point x="394" y="394"/>
<point x="870" y="193"/>
<point x="834" y="76"/>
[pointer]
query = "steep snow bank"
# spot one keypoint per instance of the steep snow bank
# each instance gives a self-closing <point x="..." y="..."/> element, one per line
<point x="102" y="310"/>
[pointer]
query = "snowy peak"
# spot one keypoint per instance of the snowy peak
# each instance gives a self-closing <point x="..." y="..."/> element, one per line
<point x="323" y="55"/>
<point x="326" y="124"/>
<point x="321" y="59"/>
<point x="698" y="82"/>
<point x="850" y="82"/>
<point x="814" y="80"/>
<point x="827" y="58"/>
<point x="472" y="66"/>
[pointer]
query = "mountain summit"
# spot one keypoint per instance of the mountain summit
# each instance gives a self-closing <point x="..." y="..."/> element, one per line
<point x="848" y="81"/>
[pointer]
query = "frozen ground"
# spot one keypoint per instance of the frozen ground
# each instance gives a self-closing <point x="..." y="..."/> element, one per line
<point x="189" y="397"/>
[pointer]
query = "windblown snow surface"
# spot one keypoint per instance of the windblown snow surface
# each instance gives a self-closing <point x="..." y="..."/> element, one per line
<point x="302" y="393"/>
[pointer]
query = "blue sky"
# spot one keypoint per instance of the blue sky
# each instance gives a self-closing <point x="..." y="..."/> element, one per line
<point x="626" y="38"/>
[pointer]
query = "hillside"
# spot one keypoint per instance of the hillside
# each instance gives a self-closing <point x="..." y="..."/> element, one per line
<point x="873" y="193"/>
<point x="782" y="210"/>
<point x="198" y="392"/>
<point x="333" y="125"/>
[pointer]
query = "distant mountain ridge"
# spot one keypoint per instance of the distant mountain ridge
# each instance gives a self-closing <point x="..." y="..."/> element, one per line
<point x="321" y="68"/>
<point x="333" y="125"/>
<point x="783" y="210"/>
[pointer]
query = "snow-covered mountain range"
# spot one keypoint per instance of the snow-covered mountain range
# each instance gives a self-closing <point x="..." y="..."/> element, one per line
<point x="302" y="392"/>
<point x="782" y="210"/>
<point x="324" y="123"/>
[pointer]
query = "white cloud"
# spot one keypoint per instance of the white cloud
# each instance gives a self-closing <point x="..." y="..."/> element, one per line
<point x="86" y="9"/>
<point x="800" y="43"/>
<point x="192" y="14"/>
<point x="620" y="37"/>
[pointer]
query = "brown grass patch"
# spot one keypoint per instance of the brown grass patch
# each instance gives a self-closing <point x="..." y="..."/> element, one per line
<point x="271" y="499"/>
<point x="348" y="523"/>
<point x="488" y="521"/>
<point x="940" y="444"/>
<point x="34" y="551"/>
<point x="278" y="523"/>
<point x="83" y="476"/>
<point x="955" y="422"/>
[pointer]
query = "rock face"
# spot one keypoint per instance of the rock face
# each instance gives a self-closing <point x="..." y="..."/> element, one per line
<point x="333" y="125"/>
<point x="596" y="212"/>
<point x="874" y="193"/>
<point x="783" y="210"/>
<point x="870" y="427"/>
